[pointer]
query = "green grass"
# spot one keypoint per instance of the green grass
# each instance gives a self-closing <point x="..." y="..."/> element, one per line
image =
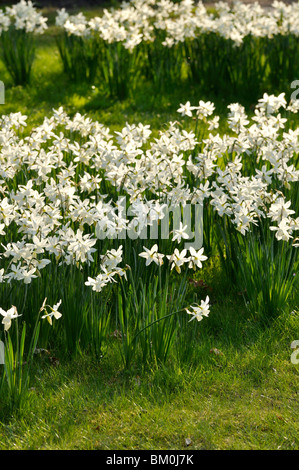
<point x="245" y="397"/>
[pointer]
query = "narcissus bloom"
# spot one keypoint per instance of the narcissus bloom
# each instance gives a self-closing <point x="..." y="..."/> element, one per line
<point x="196" y="257"/>
<point x="152" y="255"/>
<point x="54" y="313"/>
<point x="8" y="316"/>
<point x="199" y="311"/>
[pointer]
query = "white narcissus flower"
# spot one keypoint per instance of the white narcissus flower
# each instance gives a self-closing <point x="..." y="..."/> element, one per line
<point x="186" y="109"/>
<point x="271" y="103"/>
<point x="180" y="233"/>
<point x="213" y="123"/>
<point x="293" y="106"/>
<point x="152" y="255"/>
<point x="199" y="311"/>
<point x="205" y="109"/>
<point x="8" y="316"/>
<point x="97" y="283"/>
<point x="196" y="257"/>
<point x="54" y="312"/>
<point x="283" y="231"/>
<point x="280" y="210"/>
<point x="177" y="259"/>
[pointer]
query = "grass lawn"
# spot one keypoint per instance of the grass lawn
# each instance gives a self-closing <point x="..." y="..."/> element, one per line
<point x="237" y="391"/>
<point x="236" y="388"/>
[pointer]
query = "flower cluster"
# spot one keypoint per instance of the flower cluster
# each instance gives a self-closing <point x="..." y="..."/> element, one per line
<point x="143" y="20"/>
<point x="247" y="199"/>
<point x="177" y="259"/>
<point x="130" y="25"/>
<point x="199" y="311"/>
<point x="23" y="16"/>
<point x="12" y="313"/>
<point x="80" y="178"/>
<point x="110" y="269"/>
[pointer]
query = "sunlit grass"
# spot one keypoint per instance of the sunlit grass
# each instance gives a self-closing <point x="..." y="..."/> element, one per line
<point x="244" y="397"/>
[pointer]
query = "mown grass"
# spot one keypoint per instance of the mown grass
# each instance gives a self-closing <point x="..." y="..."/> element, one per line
<point x="236" y="387"/>
<point x="244" y="397"/>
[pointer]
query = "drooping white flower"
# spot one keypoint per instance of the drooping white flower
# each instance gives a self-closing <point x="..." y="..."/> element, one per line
<point x="199" y="311"/>
<point x="8" y="316"/>
<point x="53" y="312"/>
